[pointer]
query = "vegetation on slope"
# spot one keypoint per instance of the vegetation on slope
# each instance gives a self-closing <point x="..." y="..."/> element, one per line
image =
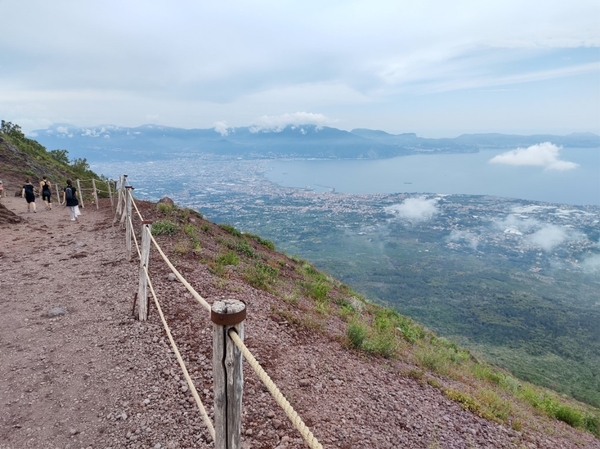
<point x="21" y="158"/>
<point x="312" y="301"/>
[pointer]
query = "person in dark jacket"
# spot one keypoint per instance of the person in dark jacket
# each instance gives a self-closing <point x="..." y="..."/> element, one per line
<point x="70" y="200"/>
<point x="29" y="195"/>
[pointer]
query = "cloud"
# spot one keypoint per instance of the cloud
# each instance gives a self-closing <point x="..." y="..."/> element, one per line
<point x="414" y="209"/>
<point x="457" y="235"/>
<point x="591" y="264"/>
<point x="540" y="155"/>
<point x="549" y="237"/>
<point x="278" y="123"/>
<point x="516" y="224"/>
<point x="221" y="128"/>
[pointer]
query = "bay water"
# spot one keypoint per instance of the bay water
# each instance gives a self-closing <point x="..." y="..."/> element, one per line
<point x="463" y="173"/>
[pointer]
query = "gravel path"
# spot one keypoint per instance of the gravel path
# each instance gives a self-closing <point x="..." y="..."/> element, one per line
<point x="78" y="371"/>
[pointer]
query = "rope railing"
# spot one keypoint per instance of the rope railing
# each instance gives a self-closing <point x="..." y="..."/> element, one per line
<point x="186" y="374"/>
<point x="228" y="389"/>
<point x="137" y="246"/>
<point x="135" y="206"/>
<point x="174" y="270"/>
<point x="276" y="393"/>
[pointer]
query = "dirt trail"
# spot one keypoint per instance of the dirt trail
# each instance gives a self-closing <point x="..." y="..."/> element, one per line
<point x="62" y="304"/>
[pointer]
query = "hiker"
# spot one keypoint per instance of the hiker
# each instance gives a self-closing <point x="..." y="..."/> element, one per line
<point x="45" y="187"/>
<point x="1" y="190"/>
<point x="70" y="200"/>
<point x="29" y="195"/>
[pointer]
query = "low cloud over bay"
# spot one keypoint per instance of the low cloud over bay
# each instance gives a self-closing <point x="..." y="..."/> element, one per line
<point x="544" y="155"/>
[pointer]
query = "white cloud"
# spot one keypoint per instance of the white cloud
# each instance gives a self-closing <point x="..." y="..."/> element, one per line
<point x="549" y="237"/>
<point x="458" y="235"/>
<point x="280" y="122"/>
<point x="540" y="155"/>
<point x="516" y="224"/>
<point x="414" y="209"/>
<point x="591" y="264"/>
<point x="221" y="128"/>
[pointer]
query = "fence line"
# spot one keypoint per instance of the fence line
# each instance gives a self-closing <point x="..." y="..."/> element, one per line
<point x="228" y="389"/>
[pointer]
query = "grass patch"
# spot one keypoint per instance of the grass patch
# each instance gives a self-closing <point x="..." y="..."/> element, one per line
<point x="264" y="242"/>
<point x="228" y="258"/>
<point x="261" y="276"/>
<point x="192" y="232"/>
<point x="164" y="227"/>
<point x="231" y="230"/>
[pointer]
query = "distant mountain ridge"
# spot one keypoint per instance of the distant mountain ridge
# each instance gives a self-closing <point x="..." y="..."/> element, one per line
<point x="109" y="142"/>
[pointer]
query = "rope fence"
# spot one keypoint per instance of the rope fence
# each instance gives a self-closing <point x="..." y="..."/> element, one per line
<point x="228" y="348"/>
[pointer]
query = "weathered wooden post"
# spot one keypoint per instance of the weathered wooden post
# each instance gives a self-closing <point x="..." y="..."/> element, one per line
<point x="127" y="215"/>
<point x="120" y="199"/>
<point x="227" y="372"/>
<point x="80" y="194"/>
<point x="95" y="193"/>
<point x="144" y="260"/>
<point x="124" y="193"/>
<point x="58" y="194"/>
<point x="112" y="201"/>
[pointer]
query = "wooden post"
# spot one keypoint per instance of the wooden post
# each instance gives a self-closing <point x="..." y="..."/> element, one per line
<point x="127" y="216"/>
<point x="58" y="194"/>
<point x="112" y="201"/>
<point x="120" y="198"/>
<point x="95" y="193"/>
<point x="80" y="194"/>
<point x="145" y="258"/>
<point x="227" y="372"/>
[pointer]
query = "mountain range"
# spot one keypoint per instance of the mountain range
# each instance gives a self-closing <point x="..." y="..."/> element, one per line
<point x="113" y="143"/>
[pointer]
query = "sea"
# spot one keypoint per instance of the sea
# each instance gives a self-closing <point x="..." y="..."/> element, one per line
<point x="461" y="173"/>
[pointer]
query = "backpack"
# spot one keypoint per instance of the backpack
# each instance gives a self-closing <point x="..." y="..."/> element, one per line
<point x="69" y="193"/>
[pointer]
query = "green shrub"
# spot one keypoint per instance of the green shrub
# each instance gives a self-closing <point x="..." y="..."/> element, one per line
<point x="266" y="243"/>
<point x="164" y="227"/>
<point x="382" y="344"/>
<point x="356" y="332"/>
<point x="165" y="208"/>
<point x="317" y="290"/>
<point x="567" y="414"/>
<point x="261" y="276"/>
<point x="191" y="232"/>
<point x="229" y="258"/>
<point x="592" y="424"/>
<point x="230" y="229"/>
<point x="244" y="248"/>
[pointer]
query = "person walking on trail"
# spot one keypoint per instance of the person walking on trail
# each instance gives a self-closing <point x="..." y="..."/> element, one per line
<point x="29" y="195"/>
<point x="45" y="187"/>
<point x="70" y="201"/>
<point x="1" y="190"/>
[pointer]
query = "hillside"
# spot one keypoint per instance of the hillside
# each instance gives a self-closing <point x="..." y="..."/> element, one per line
<point x="21" y="158"/>
<point x="78" y="370"/>
<point x="155" y="142"/>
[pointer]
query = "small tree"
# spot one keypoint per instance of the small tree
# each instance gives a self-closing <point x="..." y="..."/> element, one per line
<point x="60" y="156"/>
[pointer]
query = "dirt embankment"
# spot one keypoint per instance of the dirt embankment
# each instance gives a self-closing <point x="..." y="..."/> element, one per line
<point x="78" y="371"/>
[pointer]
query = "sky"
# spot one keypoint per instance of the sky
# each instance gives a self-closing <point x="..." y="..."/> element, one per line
<point x="433" y="67"/>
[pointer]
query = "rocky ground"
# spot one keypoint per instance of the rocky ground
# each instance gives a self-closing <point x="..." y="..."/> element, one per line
<point x="77" y="371"/>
